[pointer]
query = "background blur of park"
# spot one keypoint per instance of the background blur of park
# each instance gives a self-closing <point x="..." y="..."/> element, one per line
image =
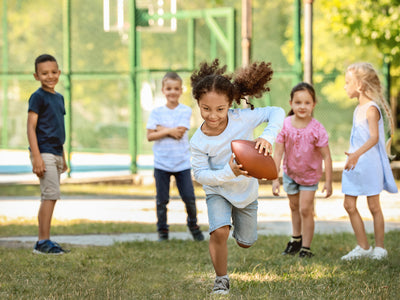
<point x="111" y="73"/>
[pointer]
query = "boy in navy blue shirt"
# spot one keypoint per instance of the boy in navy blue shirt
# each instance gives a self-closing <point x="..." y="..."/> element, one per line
<point x="46" y="136"/>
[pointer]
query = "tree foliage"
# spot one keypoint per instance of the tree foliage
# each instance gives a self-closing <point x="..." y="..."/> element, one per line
<point x="368" y="24"/>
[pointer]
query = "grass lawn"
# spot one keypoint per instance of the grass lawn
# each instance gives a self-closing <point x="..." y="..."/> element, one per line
<point x="182" y="269"/>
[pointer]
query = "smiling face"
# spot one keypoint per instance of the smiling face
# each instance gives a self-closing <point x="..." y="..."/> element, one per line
<point x="352" y="85"/>
<point x="48" y="74"/>
<point x="214" y="110"/>
<point x="302" y="104"/>
<point x="172" y="90"/>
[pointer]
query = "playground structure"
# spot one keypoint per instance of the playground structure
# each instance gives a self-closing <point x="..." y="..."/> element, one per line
<point x="112" y="62"/>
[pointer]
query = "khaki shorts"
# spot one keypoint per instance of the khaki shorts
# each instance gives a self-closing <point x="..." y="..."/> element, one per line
<point x="50" y="182"/>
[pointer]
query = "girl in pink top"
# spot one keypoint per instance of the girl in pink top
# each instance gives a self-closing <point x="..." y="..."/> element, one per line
<point x="305" y="143"/>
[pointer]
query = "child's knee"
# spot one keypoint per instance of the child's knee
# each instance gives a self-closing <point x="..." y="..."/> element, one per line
<point x="221" y="233"/>
<point x="243" y="245"/>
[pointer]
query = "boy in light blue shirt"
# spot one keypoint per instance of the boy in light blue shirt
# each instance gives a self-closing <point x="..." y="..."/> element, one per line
<point x="168" y="127"/>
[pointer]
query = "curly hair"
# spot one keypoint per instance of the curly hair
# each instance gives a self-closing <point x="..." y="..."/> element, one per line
<point x="250" y="81"/>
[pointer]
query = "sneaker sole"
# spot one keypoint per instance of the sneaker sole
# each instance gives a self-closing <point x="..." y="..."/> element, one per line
<point x="220" y="292"/>
<point x="43" y="253"/>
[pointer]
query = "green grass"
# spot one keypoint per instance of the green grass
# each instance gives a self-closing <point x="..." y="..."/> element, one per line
<point x="16" y="190"/>
<point x="77" y="227"/>
<point x="182" y="270"/>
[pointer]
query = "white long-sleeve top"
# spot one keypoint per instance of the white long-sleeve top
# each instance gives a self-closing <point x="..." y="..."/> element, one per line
<point x="211" y="154"/>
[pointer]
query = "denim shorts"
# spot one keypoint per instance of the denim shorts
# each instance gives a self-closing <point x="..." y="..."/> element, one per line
<point x="244" y="220"/>
<point x="291" y="187"/>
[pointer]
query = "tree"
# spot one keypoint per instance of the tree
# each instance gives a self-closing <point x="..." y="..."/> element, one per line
<point x="369" y="23"/>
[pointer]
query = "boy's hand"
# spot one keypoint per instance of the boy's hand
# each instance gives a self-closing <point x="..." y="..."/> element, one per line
<point x="178" y="132"/>
<point x="175" y="132"/>
<point x="263" y="145"/>
<point x="237" y="169"/>
<point x="275" y="187"/>
<point x="38" y="166"/>
<point x="65" y="167"/>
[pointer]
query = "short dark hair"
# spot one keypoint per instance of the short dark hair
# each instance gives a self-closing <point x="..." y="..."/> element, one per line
<point x="43" y="58"/>
<point x="172" y="76"/>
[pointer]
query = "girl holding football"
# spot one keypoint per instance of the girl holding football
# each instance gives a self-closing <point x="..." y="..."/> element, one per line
<point x="231" y="195"/>
<point x="305" y="143"/>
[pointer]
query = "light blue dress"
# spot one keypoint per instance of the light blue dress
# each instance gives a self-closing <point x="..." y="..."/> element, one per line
<point x="372" y="173"/>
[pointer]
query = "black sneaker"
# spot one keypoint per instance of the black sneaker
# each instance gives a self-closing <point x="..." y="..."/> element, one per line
<point x="48" y="247"/>
<point x="292" y="248"/>
<point x="196" y="233"/>
<point x="305" y="253"/>
<point x="163" y="236"/>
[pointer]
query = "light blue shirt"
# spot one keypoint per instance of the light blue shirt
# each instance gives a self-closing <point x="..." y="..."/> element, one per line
<point x="211" y="154"/>
<point x="170" y="154"/>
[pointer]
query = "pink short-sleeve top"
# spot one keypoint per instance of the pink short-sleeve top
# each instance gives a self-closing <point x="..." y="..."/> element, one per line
<point x="302" y="160"/>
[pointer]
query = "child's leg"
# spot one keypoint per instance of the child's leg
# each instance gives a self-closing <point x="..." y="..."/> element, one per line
<point x="162" y="179"/>
<point x="44" y="218"/>
<point x="185" y="187"/>
<point x="218" y="248"/>
<point x="245" y="224"/>
<point x="50" y="193"/>
<point x="350" y="205"/>
<point x="219" y="218"/>
<point x="379" y="222"/>
<point x="307" y="216"/>
<point x="294" y="205"/>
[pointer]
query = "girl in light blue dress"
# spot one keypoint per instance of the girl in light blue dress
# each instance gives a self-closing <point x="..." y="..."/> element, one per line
<point x="367" y="170"/>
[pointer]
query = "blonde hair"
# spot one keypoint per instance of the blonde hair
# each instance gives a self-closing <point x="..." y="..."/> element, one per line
<point x="371" y="86"/>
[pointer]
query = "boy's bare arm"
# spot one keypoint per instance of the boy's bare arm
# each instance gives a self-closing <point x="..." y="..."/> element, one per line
<point x="38" y="166"/>
<point x="65" y="165"/>
<point x="161" y="132"/>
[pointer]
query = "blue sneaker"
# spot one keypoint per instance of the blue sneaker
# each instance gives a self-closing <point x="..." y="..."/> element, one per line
<point x="48" y="247"/>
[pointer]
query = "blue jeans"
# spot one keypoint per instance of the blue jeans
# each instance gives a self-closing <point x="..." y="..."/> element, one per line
<point x="185" y="186"/>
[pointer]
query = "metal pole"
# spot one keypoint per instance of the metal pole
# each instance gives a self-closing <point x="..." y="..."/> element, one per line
<point x="231" y="40"/>
<point x="191" y="43"/>
<point x="67" y="79"/>
<point x="308" y="41"/>
<point x="134" y="54"/>
<point x="387" y="85"/>
<point x="4" y="114"/>
<point x="246" y="31"/>
<point x="297" y="42"/>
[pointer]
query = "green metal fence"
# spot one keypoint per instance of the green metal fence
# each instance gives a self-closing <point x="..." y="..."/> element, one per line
<point x="111" y="76"/>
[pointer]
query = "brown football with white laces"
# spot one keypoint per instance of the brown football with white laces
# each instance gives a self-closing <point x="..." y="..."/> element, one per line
<point x="256" y="164"/>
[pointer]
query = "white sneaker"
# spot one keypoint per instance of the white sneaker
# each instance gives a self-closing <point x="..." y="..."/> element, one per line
<point x="357" y="253"/>
<point x="379" y="253"/>
<point x="221" y="286"/>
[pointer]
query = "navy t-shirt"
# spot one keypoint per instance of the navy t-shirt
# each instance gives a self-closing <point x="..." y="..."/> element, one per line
<point x="50" y="129"/>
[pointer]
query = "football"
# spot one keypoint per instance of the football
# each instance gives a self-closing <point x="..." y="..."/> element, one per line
<point x="256" y="164"/>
